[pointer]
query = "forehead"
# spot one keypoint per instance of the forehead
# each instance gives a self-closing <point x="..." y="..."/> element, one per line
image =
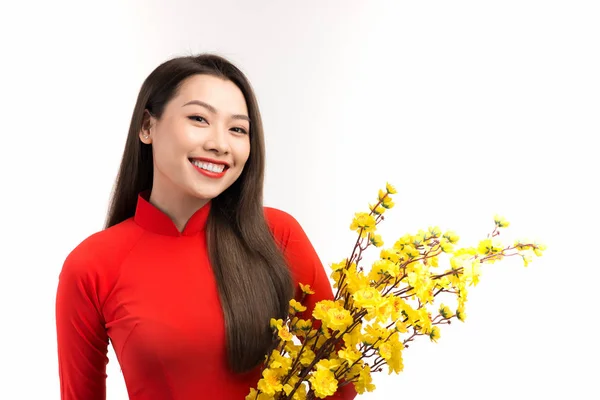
<point x="221" y="93"/>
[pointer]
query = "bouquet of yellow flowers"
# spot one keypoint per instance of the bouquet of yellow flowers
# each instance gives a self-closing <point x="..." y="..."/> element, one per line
<point x="376" y="313"/>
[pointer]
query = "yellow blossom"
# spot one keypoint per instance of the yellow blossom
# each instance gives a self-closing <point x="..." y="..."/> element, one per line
<point x="445" y="311"/>
<point x="302" y="326"/>
<point x="489" y="246"/>
<point x="352" y="338"/>
<point x="435" y="231"/>
<point x="460" y="314"/>
<point x="367" y="297"/>
<point x="434" y="333"/>
<point x="349" y="354"/>
<point x="389" y="254"/>
<point x="270" y="382"/>
<point x="254" y="395"/>
<point x="307" y="357"/>
<point x="323" y="382"/>
<point x="339" y="266"/>
<point x="387" y="203"/>
<point x="285" y="334"/>
<point x="500" y="221"/>
<point x="296" y="306"/>
<point x="363" y="223"/>
<point x="451" y="237"/>
<point x="390" y="189"/>
<point x="306" y="289"/>
<point x="276" y="323"/>
<point x="278" y="363"/>
<point x="364" y="382"/>
<point x="377" y="210"/>
<point x="376" y="240"/>
<point x="338" y="319"/>
<point x="447" y="247"/>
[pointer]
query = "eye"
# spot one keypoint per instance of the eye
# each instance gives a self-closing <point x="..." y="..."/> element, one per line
<point x="240" y="130"/>
<point x="196" y="117"/>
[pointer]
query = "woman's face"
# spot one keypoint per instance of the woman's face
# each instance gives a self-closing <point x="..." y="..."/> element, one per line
<point x="201" y="143"/>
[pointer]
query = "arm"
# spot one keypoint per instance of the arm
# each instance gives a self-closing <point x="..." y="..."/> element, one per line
<point x="81" y="338"/>
<point x="308" y="269"/>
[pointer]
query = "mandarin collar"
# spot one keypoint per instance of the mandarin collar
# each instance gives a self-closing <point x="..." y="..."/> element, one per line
<point x="154" y="220"/>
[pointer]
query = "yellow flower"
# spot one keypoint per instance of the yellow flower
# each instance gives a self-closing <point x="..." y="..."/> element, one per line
<point x="285" y="334"/>
<point x="352" y="338"/>
<point x="385" y="350"/>
<point x="302" y="326"/>
<point x="382" y="195"/>
<point x="387" y="203"/>
<point x="363" y="223"/>
<point x="472" y="271"/>
<point x="500" y="221"/>
<point x="323" y="382"/>
<point x="389" y="254"/>
<point x="322" y="308"/>
<point x="296" y="306"/>
<point x="338" y="319"/>
<point x="270" y="382"/>
<point x="385" y="267"/>
<point x="349" y="354"/>
<point x="434" y="334"/>
<point x="460" y="313"/>
<point x="367" y="297"/>
<point x="254" y="395"/>
<point x="356" y="281"/>
<point x="447" y="247"/>
<point x="451" y="236"/>
<point x="376" y="240"/>
<point x="307" y="357"/>
<point x="364" y="382"/>
<point x="390" y="189"/>
<point x="539" y="248"/>
<point x="489" y="246"/>
<point x="445" y="311"/>
<point x="377" y="210"/>
<point x="306" y="289"/>
<point x="278" y="362"/>
<point x="374" y="334"/>
<point x="276" y="323"/>
<point x="527" y="256"/>
<point x="300" y="393"/>
<point x="339" y="266"/>
<point x="435" y="231"/>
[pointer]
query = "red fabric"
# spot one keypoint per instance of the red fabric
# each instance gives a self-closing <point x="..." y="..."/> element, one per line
<point x="150" y="290"/>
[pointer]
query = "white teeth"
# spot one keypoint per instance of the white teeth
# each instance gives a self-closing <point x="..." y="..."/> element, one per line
<point x="209" y="166"/>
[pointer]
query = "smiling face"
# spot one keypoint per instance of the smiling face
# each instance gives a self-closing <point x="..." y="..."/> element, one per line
<point x="201" y="142"/>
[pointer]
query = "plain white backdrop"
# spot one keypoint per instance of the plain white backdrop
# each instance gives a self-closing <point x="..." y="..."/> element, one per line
<point x="469" y="108"/>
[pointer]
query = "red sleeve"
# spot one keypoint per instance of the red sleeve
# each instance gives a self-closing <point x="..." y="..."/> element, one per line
<point x="307" y="267"/>
<point x="81" y="337"/>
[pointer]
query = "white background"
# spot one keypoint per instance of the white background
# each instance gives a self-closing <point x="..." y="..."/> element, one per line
<point x="469" y="108"/>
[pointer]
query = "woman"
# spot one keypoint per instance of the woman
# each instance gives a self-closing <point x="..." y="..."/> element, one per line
<point x="190" y="267"/>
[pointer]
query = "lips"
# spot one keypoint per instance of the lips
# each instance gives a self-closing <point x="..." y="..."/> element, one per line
<point x="209" y="169"/>
<point x="210" y="161"/>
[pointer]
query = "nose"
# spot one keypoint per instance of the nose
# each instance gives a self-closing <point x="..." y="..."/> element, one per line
<point x="216" y="141"/>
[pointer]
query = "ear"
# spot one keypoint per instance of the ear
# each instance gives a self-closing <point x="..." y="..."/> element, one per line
<point x="148" y="122"/>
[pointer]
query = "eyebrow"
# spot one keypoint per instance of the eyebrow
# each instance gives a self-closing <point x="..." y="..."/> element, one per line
<point x="214" y="110"/>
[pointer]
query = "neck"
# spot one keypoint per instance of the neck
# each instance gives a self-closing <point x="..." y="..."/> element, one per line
<point x="175" y="203"/>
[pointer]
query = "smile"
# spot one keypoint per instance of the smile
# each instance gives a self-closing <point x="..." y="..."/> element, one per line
<point x="209" y="169"/>
<point x="216" y="168"/>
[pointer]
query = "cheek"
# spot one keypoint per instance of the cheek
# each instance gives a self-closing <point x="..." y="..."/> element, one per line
<point x="242" y="152"/>
<point x="167" y="156"/>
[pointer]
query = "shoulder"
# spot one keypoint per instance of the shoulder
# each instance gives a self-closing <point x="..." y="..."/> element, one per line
<point x="101" y="252"/>
<point x="283" y="225"/>
<point x="278" y="218"/>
